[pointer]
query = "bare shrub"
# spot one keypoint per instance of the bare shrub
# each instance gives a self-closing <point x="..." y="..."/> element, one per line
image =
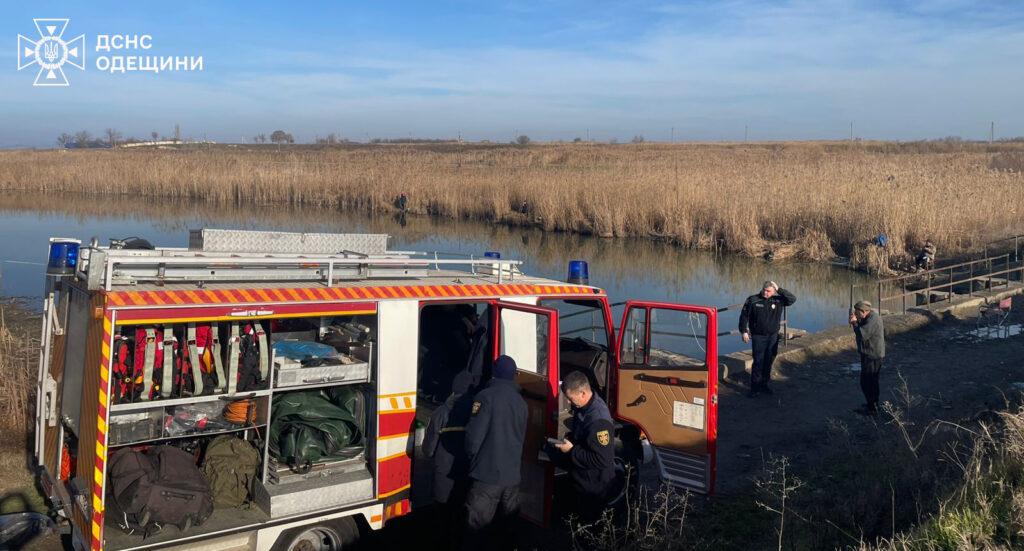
<point x="776" y="486"/>
<point x="649" y="520"/>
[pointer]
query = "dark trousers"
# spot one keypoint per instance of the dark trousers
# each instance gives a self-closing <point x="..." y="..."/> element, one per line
<point x="763" y="348"/>
<point x="870" y="369"/>
<point x="588" y="500"/>
<point x="490" y="508"/>
<point x="447" y="524"/>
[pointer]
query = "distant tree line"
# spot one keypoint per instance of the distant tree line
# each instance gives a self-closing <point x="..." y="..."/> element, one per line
<point x="109" y="138"/>
<point x="412" y="140"/>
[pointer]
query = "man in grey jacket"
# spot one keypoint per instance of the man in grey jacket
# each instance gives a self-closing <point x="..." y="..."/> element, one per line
<point x="867" y="325"/>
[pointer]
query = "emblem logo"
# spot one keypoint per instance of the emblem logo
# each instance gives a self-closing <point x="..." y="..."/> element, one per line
<point x="51" y="52"/>
<point x="603" y="437"/>
<point x="476" y="407"/>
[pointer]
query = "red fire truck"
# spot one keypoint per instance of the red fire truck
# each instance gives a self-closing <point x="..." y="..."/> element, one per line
<point x="144" y="346"/>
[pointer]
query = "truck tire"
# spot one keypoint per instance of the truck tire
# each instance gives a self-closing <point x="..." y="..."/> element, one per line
<point x="333" y="535"/>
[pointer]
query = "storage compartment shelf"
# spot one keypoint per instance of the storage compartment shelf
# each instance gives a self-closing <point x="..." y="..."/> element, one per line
<point x="187" y="435"/>
<point x="347" y="366"/>
<point x="221" y="520"/>
<point x="164" y="402"/>
<point x="167" y="422"/>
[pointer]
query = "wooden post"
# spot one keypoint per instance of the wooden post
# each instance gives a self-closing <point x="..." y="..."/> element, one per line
<point x="904" y="287"/>
<point x="879" y="304"/>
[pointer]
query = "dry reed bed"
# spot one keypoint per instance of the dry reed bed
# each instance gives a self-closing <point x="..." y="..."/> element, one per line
<point x="17" y="370"/>
<point x="813" y="197"/>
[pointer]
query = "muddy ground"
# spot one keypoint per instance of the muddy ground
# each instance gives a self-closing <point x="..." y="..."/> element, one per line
<point x="945" y="371"/>
<point x="955" y="370"/>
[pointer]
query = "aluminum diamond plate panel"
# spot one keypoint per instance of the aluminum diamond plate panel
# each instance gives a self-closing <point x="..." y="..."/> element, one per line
<point x="245" y="241"/>
<point x="314" y="494"/>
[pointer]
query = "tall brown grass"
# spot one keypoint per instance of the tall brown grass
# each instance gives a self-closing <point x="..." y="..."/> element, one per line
<point x="17" y="349"/>
<point x="814" y="198"/>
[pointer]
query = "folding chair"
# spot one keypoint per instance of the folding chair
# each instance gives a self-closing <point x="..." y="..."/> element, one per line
<point x="995" y="315"/>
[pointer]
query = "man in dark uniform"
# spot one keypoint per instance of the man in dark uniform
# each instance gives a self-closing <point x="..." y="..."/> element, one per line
<point x="445" y="442"/>
<point x="759" y="322"/>
<point x="587" y="453"/>
<point x="494" y="443"/>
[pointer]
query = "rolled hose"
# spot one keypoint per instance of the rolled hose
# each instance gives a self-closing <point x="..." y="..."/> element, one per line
<point x="240" y="412"/>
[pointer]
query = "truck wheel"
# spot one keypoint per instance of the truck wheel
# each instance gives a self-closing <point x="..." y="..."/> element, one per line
<point x="334" y="535"/>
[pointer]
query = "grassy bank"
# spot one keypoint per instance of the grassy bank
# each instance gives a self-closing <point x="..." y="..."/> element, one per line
<point x="809" y="200"/>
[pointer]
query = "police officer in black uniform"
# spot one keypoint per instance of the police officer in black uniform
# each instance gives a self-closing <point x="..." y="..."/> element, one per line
<point x="587" y="453"/>
<point x="759" y="323"/>
<point x="494" y="443"/>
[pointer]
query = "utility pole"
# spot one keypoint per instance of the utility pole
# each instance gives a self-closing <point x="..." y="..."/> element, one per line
<point x="992" y="132"/>
<point x="851" y="131"/>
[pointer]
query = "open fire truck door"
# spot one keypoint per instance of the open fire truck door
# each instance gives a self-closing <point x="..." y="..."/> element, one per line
<point x="529" y="335"/>
<point x="666" y="385"/>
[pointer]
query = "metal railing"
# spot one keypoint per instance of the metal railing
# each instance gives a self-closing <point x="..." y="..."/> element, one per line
<point x="1017" y="240"/>
<point x="992" y="271"/>
<point x="113" y="266"/>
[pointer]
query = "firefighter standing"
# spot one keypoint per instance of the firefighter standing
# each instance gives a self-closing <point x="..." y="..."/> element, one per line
<point x="759" y="324"/>
<point x="494" y="444"/>
<point x="445" y="442"/>
<point x="587" y="452"/>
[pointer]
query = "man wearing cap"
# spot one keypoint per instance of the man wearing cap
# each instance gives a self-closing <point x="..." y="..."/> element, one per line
<point x="759" y="324"/>
<point x="494" y="444"/>
<point x="867" y="326"/>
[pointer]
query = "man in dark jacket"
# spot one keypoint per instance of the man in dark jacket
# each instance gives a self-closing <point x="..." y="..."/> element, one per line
<point x="494" y="443"/>
<point x="588" y="452"/>
<point x="867" y="326"/>
<point x="445" y="442"/>
<point x="759" y="324"/>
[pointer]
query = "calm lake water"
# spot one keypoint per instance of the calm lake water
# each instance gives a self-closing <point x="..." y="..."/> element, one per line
<point x="625" y="268"/>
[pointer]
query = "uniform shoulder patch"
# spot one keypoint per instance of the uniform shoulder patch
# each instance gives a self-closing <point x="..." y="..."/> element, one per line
<point x="603" y="437"/>
<point x="476" y="407"/>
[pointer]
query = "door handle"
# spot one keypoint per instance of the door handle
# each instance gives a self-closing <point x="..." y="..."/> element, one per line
<point x="639" y="400"/>
<point x="671" y="381"/>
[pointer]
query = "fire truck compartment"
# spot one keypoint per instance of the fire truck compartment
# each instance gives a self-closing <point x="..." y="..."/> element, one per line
<point x="317" y="354"/>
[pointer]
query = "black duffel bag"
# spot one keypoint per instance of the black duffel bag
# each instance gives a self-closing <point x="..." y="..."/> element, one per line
<point x="161" y="486"/>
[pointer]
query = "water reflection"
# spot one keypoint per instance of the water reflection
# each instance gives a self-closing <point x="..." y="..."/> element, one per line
<point x="626" y="268"/>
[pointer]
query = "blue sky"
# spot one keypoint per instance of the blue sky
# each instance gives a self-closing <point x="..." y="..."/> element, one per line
<point x="548" y="69"/>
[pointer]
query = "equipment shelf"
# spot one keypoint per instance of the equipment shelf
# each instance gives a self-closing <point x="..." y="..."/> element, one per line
<point x="165" y="402"/>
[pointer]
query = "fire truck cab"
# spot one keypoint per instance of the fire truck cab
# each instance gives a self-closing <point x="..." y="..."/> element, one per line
<point x="397" y="327"/>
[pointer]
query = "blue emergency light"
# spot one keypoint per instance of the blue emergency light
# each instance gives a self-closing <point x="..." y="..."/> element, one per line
<point x="492" y="254"/>
<point x="579" y="272"/>
<point x="63" y="256"/>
